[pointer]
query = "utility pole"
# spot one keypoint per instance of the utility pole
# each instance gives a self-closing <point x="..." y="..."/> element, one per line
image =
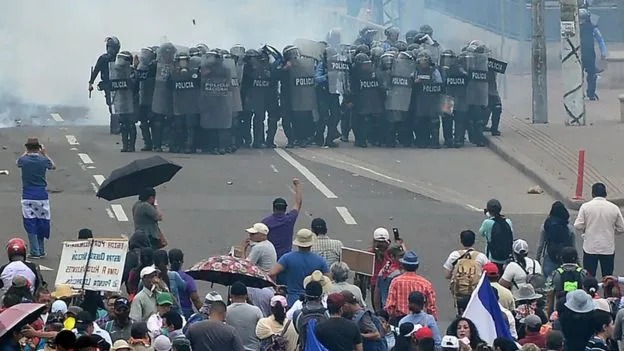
<point x="571" y="67"/>
<point x="538" y="64"/>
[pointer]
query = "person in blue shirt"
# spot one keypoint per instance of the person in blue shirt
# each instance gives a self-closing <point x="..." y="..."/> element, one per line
<point x="589" y="34"/>
<point x="418" y="316"/>
<point x="34" y="164"/>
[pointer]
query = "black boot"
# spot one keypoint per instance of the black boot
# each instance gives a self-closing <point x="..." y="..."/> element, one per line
<point x="115" y="127"/>
<point x="132" y="138"/>
<point x="147" y="137"/>
<point x="125" y="138"/>
<point x="157" y="136"/>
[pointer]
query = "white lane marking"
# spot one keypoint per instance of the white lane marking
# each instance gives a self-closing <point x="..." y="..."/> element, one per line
<point x="99" y="179"/>
<point x="91" y="167"/>
<point x="110" y="213"/>
<point x="346" y="215"/>
<point x="56" y="117"/>
<point x="474" y="207"/>
<point x="306" y="173"/>
<point x="72" y="140"/>
<point x="94" y="187"/>
<point x="274" y="169"/>
<point x="85" y="158"/>
<point x="73" y="149"/>
<point x="119" y="213"/>
<point x="45" y="268"/>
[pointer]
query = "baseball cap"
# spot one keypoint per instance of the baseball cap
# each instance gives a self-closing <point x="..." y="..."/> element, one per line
<point x="59" y="306"/>
<point x="314" y="289"/>
<point x="336" y="300"/>
<point x="20" y="282"/>
<point x="490" y="269"/>
<point x="450" y="342"/>
<point x="258" y="228"/>
<point x="209" y="299"/>
<point x="164" y="298"/>
<point x="520" y="246"/>
<point x="147" y="271"/>
<point x="349" y="297"/>
<point x="162" y="343"/>
<point x="532" y="321"/>
<point x="121" y="303"/>
<point x="238" y="289"/>
<point x="381" y="234"/>
<point x="423" y="333"/>
<point x="318" y="224"/>
<point x="416" y="297"/>
<point x="84" y="317"/>
<point x="279" y="202"/>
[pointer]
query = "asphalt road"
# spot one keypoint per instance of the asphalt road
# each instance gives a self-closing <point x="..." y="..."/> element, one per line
<point x="213" y="199"/>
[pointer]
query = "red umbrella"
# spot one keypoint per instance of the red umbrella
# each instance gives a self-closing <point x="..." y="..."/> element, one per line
<point x="226" y="270"/>
<point x="20" y="313"/>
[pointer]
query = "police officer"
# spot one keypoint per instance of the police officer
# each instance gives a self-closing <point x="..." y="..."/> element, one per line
<point x="257" y="93"/>
<point x="397" y="75"/>
<point x="102" y="67"/>
<point x="368" y="102"/>
<point x="589" y="33"/>
<point x="454" y="78"/>
<point x="162" y="102"/>
<point x="495" y="105"/>
<point x="426" y="98"/>
<point x="184" y="83"/>
<point x="123" y="89"/>
<point x="477" y="91"/>
<point x="146" y="72"/>
<point x="332" y="79"/>
<point x="392" y="36"/>
<point x="366" y="36"/>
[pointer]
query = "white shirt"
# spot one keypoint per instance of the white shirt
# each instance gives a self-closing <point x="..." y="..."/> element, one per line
<point x="514" y="273"/>
<point x="448" y="264"/>
<point x="14" y="269"/>
<point x="511" y="320"/>
<point x="598" y="220"/>
<point x="299" y="305"/>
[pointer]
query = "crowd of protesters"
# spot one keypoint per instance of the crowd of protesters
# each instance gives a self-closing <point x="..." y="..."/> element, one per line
<point x="549" y="301"/>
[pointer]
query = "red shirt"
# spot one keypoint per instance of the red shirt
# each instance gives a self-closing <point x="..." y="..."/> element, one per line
<point x="402" y="286"/>
<point x="534" y="338"/>
<point x="379" y="264"/>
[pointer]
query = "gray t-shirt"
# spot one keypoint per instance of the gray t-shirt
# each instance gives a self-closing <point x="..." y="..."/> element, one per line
<point x="263" y="255"/>
<point x="211" y="335"/>
<point x="145" y="218"/>
<point x="244" y="317"/>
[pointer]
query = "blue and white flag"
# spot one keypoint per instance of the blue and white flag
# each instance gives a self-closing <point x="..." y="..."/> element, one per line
<point x="36" y="211"/>
<point x="483" y="309"/>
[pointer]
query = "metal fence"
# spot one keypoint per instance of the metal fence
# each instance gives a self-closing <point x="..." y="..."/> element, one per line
<point x="512" y="18"/>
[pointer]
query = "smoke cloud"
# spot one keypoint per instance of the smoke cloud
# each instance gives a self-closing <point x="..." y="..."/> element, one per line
<point x="49" y="46"/>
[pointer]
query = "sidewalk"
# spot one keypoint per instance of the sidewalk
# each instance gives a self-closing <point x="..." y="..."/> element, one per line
<point x="548" y="153"/>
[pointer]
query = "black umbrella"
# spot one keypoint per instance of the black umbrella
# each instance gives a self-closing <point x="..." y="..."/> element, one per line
<point x="130" y="179"/>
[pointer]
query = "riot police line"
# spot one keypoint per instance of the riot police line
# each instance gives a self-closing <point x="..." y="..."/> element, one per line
<point x="388" y="93"/>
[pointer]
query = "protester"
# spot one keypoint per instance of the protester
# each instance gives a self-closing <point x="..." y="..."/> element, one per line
<point x="464" y="267"/>
<point x="120" y="326"/>
<point x="64" y="340"/>
<point x="277" y="326"/>
<point x="146" y="215"/>
<point x="339" y="272"/>
<point x="505" y="297"/>
<point x="503" y="344"/>
<point x="137" y="242"/>
<point x="498" y="233"/>
<point x="424" y="339"/>
<point x="258" y="249"/>
<point x="598" y="221"/>
<point x="214" y="333"/>
<point x="403" y="285"/>
<point x="533" y="325"/>
<point x="261" y="298"/>
<point x="324" y="246"/>
<point x="281" y="224"/>
<point x="380" y="247"/>
<point x="243" y="316"/>
<point x="109" y="302"/>
<point x="146" y="259"/>
<point x="404" y="339"/>
<point x="172" y="279"/>
<point x="465" y="328"/>
<point x="164" y="303"/>
<point x="527" y="304"/>
<point x="187" y="294"/>
<point x="450" y="343"/>
<point x="602" y="327"/>
<point x="521" y="268"/>
<point x="17" y="266"/>
<point x="416" y="304"/>
<point x="34" y="163"/>
<point x="121" y="345"/>
<point x="162" y="343"/>
<point x="338" y="333"/>
<point x="557" y="233"/>
<point x="389" y="331"/>
<point x="293" y="267"/>
<point x="554" y="341"/>
<point x="509" y="317"/>
<point x="204" y="311"/>
<point x="172" y="326"/>
<point x="144" y="303"/>
<point x="576" y="319"/>
<point x="567" y="277"/>
<point x="139" y="337"/>
<point x="312" y="308"/>
<point x="85" y="326"/>
<point x="369" y="325"/>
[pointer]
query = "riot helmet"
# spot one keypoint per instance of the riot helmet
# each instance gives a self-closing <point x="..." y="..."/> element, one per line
<point x="376" y="53"/>
<point x="412" y="47"/>
<point x="420" y="38"/>
<point x="405" y="56"/>
<point x="334" y="37"/>
<point x="367" y="34"/>
<point x="330" y="52"/>
<point x="112" y="46"/>
<point x="448" y="58"/>
<point x="124" y="58"/>
<point x="252" y="53"/>
<point x="147" y="56"/>
<point x="392" y="34"/>
<point x="361" y="58"/>
<point x="237" y="51"/>
<point x="401" y="45"/>
<point x="426" y="29"/>
<point x="203" y="48"/>
<point x="423" y="59"/>
<point x="364" y="49"/>
<point x="584" y="15"/>
<point x="291" y="52"/>
<point x="182" y="59"/>
<point x="386" y="61"/>
<point x="410" y="36"/>
<point x="212" y="57"/>
<point x="377" y="43"/>
<point x="194" y="52"/>
<point x="166" y="53"/>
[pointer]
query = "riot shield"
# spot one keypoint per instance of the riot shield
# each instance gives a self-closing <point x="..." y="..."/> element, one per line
<point x="338" y="74"/>
<point x="185" y="91"/>
<point x="121" y="78"/>
<point x="302" y="85"/>
<point x="230" y="63"/>
<point x="195" y="62"/>
<point x="163" y="100"/>
<point x="215" y="100"/>
<point x="477" y="90"/>
<point x="145" y="75"/>
<point x="434" y="51"/>
<point x="310" y="48"/>
<point x="399" y="95"/>
<point x="428" y="93"/>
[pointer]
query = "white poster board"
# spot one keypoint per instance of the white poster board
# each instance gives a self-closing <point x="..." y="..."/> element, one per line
<point x="105" y="267"/>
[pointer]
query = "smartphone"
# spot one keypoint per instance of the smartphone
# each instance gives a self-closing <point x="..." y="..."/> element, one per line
<point x="395" y="232"/>
<point x="465" y="340"/>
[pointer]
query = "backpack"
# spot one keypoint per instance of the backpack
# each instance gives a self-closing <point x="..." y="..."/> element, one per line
<point x="501" y="240"/>
<point x="312" y="343"/>
<point x="466" y="273"/>
<point x="276" y="342"/>
<point x="570" y="280"/>
<point x="536" y="280"/>
<point x="372" y="345"/>
<point x="303" y="319"/>
<point x="557" y="237"/>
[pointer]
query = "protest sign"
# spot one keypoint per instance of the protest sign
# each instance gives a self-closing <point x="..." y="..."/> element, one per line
<point x="359" y="261"/>
<point x="95" y="264"/>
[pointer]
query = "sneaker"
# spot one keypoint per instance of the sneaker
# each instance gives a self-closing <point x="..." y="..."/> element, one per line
<point x="33" y="257"/>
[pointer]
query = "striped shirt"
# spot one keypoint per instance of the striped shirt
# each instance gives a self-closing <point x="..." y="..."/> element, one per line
<point x="402" y="286"/>
<point x="329" y="249"/>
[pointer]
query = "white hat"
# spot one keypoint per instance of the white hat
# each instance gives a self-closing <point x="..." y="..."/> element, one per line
<point x="121" y="344"/>
<point x="147" y="271"/>
<point x="304" y="238"/>
<point x="602" y="305"/>
<point x="318" y="276"/>
<point x="450" y="342"/>
<point x="381" y="234"/>
<point x="520" y="246"/>
<point x="59" y="306"/>
<point x="258" y="228"/>
<point x="162" y="343"/>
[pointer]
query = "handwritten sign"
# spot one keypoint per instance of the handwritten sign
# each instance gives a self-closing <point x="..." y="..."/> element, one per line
<point x="104" y="267"/>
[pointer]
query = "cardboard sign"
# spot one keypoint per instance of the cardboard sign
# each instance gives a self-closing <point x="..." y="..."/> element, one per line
<point x="237" y="251"/>
<point x="359" y="261"/>
<point x="104" y="266"/>
<point x="497" y="66"/>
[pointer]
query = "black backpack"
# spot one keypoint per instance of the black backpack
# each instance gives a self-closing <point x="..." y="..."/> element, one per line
<point x="570" y="279"/>
<point x="557" y="237"/>
<point x="301" y="322"/>
<point x="501" y="240"/>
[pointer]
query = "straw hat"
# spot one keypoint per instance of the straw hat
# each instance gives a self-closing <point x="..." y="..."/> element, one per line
<point x="318" y="276"/>
<point x="64" y="291"/>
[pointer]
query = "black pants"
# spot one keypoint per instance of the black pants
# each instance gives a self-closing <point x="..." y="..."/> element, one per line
<point x="243" y="132"/>
<point x="258" y="127"/>
<point x="115" y="127"/>
<point x="461" y="125"/>
<point x="495" y="107"/>
<point x="330" y="115"/>
<point x="590" y="263"/>
<point x="145" y="116"/>
<point x="477" y="116"/>
<point x="216" y="139"/>
<point x="184" y="127"/>
<point x="422" y="129"/>
<point x="157" y="126"/>
<point x="345" y="122"/>
<point x="589" y="66"/>
<point x="302" y="123"/>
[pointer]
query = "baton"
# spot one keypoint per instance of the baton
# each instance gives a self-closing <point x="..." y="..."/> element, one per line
<point x="90" y="90"/>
